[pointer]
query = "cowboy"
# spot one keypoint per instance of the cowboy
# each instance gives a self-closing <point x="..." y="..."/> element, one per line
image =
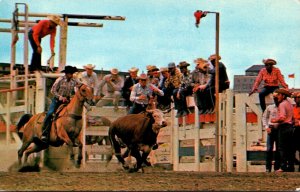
<point x="35" y="35"/>
<point x="185" y="89"/>
<point x="285" y="131"/>
<point x="62" y="89"/>
<point x="142" y="93"/>
<point x="153" y="74"/>
<point x="271" y="112"/>
<point x="128" y="84"/>
<point x="114" y="85"/>
<point x="223" y="77"/>
<point x="164" y="101"/>
<point x="203" y="89"/>
<point x="90" y="78"/>
<point x="272" y="77"/>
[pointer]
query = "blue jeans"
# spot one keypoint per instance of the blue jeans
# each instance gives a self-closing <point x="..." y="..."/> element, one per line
<point x="47" y="121"/>
<point x="272" y="139"/>
<point x="137" y="108"/>
<point x="263" y="93"/>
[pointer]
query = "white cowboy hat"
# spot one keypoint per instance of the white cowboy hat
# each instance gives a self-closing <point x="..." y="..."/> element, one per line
<point x="114" y="71"/>
<point x="55" y="19"/>
<point x="133" y="69"/>
<point x="89" y="66"/>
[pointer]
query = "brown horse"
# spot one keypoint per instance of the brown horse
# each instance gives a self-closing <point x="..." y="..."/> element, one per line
<point x="66" y="126"/>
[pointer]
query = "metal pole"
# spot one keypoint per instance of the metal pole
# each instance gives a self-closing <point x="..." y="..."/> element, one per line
<point x="217" y="92"/>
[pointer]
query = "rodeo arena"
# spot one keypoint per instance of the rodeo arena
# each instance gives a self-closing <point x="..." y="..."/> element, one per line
<point x="229" y="137"/>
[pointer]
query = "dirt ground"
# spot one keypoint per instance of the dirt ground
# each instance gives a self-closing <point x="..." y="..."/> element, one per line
<point x="153" y="179"/>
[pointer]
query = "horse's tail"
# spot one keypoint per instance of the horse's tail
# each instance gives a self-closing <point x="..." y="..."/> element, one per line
<point x="23" y="120"/>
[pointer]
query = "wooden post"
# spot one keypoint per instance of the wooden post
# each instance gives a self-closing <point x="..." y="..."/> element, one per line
<point x="40" y="93"/>
<point x="84" y="124"/>
<point x="229" y="130"/>
<point x="8" y="104"/>
<point x="175" y="141"/>
<point x="217" y="92"/>
<point x="63" y="45"/>
<point x="241" y="133"/>
<point x="197" y="140"/>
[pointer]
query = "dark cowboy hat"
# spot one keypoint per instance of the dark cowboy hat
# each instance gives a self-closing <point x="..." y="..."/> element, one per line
<point x="183" y="64"/>
<point x="269" y="61"/>
<point x="283" y="92"/>
<point x="171" y="65"/>
<point x="70" y="69"/>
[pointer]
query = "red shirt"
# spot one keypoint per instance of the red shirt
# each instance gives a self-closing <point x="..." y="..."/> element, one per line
<point x="285" y="111"/>
<point x="42" y="29"/>
<point x="270" y="79"/>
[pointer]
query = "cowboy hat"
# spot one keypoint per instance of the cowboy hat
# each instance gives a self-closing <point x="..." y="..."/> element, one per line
<point x="269" y="61"/>
<point x="152" y="68"/>
<point x="213" y="57"/>
<point x="114" y="71"/>
<point x="164" y="69"/>
<point x="200" y="60"/>
<point x="55" y="19"/>
<point x="283" y="92"/>
<point x="89" y="66"/>
<point x="133" y="69"/>
<point x="142" y="76"/>
<point x="171" y="65"/>
<point x="70" y="69"/>
<point x="183" y="64"/>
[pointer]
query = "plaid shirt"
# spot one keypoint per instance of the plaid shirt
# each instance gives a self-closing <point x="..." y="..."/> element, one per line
<point x="63" y="87"/>
<point x="174" y="80"/>
<point x="270" y="79"/>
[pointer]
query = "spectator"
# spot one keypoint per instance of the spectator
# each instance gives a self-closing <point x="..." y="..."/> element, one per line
<point x="272" y="77"/>
<point x="164" y="101"/>
<point x="35" y="35"/>
<point x="223" y="78"/>
<point x="185" y="89"/>
<point x="173" y="82"/>
<point x="114" y="85"/>
<point x="203" y="90"/>
<point x="271" y="112"/>
<point x="90" y="78"/>
<point x="285" y="131"/>
<point x="152" y="73"/>
<point x="141" y="94"/>
<point x="128" y="84"/>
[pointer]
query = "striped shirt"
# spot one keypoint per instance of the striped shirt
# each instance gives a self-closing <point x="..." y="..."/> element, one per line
<point x="63" y="87"/>
<point x="270" y="79"/>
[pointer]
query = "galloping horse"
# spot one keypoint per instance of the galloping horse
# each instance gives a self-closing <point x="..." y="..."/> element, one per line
<point x="66" y="126"/>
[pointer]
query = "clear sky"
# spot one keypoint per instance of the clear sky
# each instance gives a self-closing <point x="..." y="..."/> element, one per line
<point x="161" y="31"/>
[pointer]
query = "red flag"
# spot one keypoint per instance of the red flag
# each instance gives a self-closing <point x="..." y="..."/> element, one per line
<point x="198" y="15"/>
<point x="292" y="75"/>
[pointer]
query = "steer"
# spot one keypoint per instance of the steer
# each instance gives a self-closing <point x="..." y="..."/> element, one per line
<point x="138" y="132"/>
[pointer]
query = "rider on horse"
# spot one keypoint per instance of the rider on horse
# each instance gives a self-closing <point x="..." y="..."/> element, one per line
<point x="63" y="90"/>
